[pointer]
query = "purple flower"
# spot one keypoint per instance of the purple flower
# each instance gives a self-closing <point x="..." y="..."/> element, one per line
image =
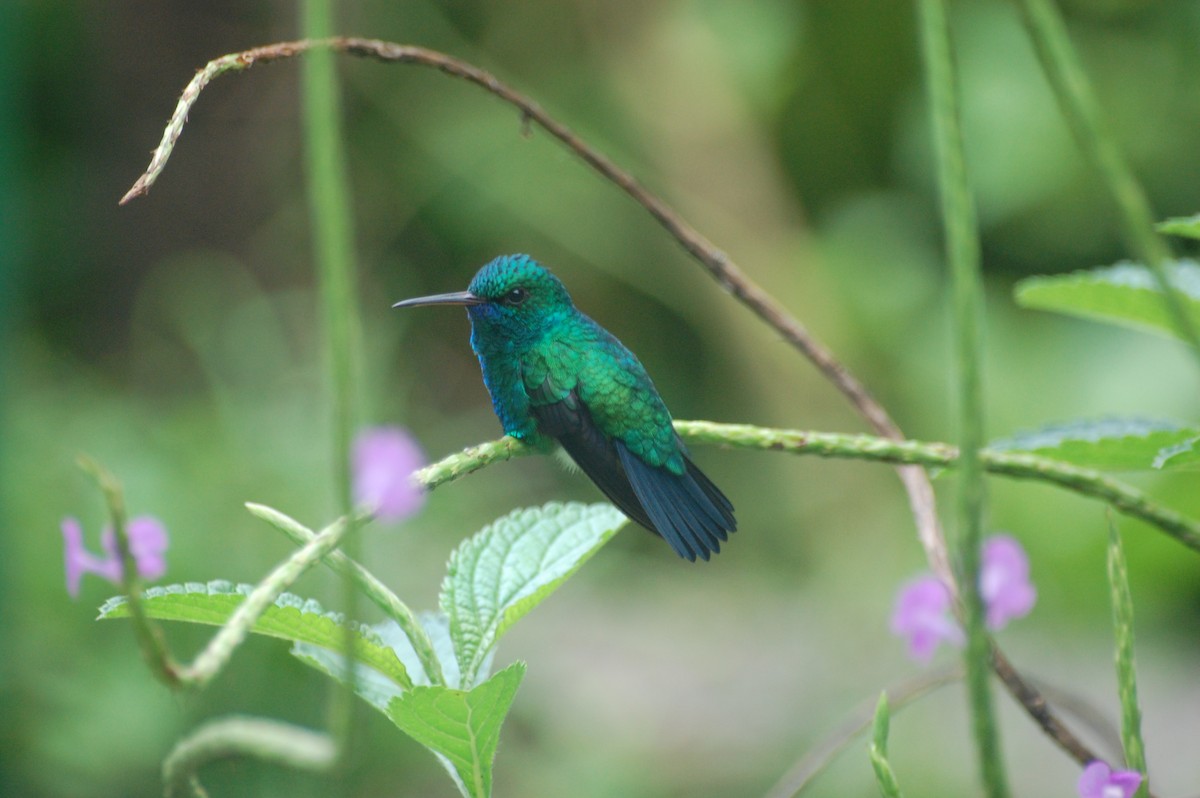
<point x="1004" y="581"/>
<point x="1098" y="780"/>
<point x="147" y="543"/>
<point x="384" y="460"/>
<point x="922" y="615"/>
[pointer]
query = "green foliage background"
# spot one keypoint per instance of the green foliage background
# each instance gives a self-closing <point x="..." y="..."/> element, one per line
<point x="176" y="340"/>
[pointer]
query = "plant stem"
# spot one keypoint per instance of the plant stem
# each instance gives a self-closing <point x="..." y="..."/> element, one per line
<point x="212" y="659"/>
<point x="1124" y="498"/>
<point x="365" y="581"/>
<point x="329" y="207"/>
<point x="237" y="735"/>
<point x="1078" y="104"/>
<point x="149" y="636"/>
<point x="472" y="459"/>
<point x="962" y="251"/>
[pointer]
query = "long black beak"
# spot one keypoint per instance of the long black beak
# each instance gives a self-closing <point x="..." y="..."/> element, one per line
<point x="457" y="298"/>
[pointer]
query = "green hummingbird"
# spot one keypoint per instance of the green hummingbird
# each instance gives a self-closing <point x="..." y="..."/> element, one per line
<point x="553" y="372"/>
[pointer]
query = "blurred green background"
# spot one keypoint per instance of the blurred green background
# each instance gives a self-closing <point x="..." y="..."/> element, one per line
<point x="176" y="340"/>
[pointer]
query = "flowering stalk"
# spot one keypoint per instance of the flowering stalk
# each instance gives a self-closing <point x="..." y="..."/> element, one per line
<point x="243" y="736"/>
<point x="371" y="587"/>
<point x="1121" y="497"/>
<point x="1122" y="607"/>
<point x="149" y="636"/>
<point x="212" y="659"/>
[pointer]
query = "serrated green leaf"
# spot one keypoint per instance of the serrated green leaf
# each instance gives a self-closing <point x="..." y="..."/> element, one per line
<point x="1187" y="226"/>
<point x="372" y="686"/>
<point x="461" y="726"/>
<point x="506" y="569"/>
<point x="369" y="684"/>
<point x="1126" y="294"/>
<point x="437" y="628"/>
<point x="289" y="618"/>
<point x="1184" y="453"/>
<point x="1112" y="444"/>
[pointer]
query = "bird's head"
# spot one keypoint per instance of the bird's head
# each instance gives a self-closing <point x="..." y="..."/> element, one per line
<point x="513" y="298"/>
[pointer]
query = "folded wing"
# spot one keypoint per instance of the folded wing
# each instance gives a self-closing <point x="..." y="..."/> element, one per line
<point x="687" y="509"/>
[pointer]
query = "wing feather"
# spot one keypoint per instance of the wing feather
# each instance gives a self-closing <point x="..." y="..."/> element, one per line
<point x="687" y="510"/>
<point x="573" y="428"/>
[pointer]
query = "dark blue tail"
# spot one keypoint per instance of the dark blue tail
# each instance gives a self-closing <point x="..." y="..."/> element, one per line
<point x="687" y="509"/>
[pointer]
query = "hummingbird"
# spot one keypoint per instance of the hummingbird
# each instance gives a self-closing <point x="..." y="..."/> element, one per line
<point x="554" y="373"/>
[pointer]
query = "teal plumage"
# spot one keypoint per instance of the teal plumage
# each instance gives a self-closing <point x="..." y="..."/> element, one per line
<point x="552" y="371"/>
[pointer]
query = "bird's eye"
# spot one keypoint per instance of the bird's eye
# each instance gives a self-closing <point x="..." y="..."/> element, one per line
<point x="516" y="296"/>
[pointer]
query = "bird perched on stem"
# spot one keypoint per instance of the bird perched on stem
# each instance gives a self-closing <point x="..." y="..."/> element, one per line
<point x="553" y="372"/>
